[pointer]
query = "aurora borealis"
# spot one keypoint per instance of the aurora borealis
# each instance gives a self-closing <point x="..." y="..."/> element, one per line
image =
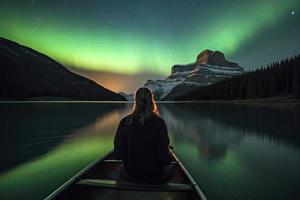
<point x="140" y="36"/>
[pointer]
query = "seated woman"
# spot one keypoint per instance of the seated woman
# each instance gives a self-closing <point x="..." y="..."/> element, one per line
<point x="142" y="142"/>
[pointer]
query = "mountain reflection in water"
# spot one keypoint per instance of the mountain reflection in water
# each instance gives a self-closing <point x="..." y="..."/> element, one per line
<point x="233" y="151"/>
<point x="238" y="151"/>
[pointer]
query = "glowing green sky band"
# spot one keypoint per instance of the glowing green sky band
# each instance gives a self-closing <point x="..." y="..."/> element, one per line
<point x="117" y="49"/>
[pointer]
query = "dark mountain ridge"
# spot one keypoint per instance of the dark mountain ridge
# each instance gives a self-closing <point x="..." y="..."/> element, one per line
<point x="26" y="73"/>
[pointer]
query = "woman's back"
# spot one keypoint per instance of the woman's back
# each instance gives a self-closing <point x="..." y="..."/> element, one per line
<point x="142" y="147"/>
<point x="142" y="140"/>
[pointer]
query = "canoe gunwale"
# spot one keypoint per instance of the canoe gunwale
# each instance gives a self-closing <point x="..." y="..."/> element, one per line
<point x="76" y="177"/>
<point x="193" y="182"/>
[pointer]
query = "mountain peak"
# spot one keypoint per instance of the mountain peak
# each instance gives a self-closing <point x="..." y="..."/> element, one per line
<point x="210" y="66"/>
<point x="213" y="58"/>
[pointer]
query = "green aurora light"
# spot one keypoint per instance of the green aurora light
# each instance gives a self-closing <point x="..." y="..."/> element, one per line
<point x="76" y="38"/>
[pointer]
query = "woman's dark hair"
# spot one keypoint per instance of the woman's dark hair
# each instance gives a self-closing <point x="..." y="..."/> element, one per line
<point x="144" y="106"/>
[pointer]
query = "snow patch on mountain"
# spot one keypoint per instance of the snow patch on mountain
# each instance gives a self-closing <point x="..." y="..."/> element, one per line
<point x="161" y="88"/>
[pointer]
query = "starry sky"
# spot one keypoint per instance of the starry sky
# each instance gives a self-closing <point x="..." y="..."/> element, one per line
<point x="133" y="40"/>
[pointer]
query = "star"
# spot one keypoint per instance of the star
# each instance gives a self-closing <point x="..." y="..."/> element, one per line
<point x="293" y="12"/>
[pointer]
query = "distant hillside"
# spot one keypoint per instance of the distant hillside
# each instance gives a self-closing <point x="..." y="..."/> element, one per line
<point x="278" y="79"/>
<point x="26" y="73"/>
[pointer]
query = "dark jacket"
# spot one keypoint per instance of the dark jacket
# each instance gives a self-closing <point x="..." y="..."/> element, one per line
<point x="144" y="149"/>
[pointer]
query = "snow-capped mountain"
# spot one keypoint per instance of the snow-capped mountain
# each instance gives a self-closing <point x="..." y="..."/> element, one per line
<point x="210" y="66"/>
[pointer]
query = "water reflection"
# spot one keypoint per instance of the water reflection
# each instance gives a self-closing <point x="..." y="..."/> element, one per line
<point x="233" y="151"/>
<point x="58" y="140"/>
<point x="222" y="125"/>
<point x="29" y="130"/>
<point x="238" y="151"/>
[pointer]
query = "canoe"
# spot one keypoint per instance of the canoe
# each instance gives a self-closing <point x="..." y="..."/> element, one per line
<point x="101" y="180"/>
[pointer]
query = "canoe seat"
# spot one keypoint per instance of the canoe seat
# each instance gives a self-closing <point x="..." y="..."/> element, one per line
<point x="112" y="184"/>
<point x="120" y="161"/>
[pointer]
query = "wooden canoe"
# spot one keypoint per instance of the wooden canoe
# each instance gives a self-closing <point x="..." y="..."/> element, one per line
<point x="101" y="180"/>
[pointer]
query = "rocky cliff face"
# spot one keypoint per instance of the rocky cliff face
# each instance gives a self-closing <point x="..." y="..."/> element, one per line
<point x="26" y="73"/>
<point x="209" y="67"/>
<point x="208" y="57"/>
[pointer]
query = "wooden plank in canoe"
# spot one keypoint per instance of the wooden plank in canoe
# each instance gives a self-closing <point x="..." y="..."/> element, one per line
<point x="120" y="161"/>
<point x="112" y="184"/>
<point x="87" y="192"/>
<point x="109" y="169"/>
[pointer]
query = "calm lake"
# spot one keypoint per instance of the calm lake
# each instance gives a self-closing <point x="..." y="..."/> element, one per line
<point x="232" y="151"/>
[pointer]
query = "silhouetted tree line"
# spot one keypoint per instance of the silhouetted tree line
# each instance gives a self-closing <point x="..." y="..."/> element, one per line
<point x="278" y="79"/>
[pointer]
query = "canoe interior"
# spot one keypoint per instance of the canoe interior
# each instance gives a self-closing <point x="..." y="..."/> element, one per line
<point x="107" y="171"/>
<point x="89" y="192"/>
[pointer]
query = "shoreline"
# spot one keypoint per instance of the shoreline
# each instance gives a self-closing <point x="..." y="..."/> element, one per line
<point x="270" y="100"/>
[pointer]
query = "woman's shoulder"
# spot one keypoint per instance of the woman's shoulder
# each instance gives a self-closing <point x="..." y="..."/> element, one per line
<point x="125" y="119"/>
<point x="158" y="119"/>
<point x="128" y="119"/>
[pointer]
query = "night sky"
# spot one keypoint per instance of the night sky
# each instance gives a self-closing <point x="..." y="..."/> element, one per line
<point x="130" y="37"/>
